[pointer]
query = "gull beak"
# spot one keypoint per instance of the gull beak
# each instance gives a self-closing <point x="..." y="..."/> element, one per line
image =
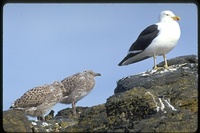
<point x="176" y="18"/>
<point x="97" y="74"/>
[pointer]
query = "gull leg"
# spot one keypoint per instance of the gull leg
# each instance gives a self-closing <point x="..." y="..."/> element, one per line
<point x="41" y="118"/>
<point x="166" y="65"/>
<point x="154" y="58"/>
<point x="74" y="107"/>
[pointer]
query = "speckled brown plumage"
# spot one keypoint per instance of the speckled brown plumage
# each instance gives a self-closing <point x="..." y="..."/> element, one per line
<point x="37" y="101"/>
<point x="77" y="86"/>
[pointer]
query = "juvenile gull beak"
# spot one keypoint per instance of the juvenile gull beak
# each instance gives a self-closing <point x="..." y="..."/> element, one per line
<point x="97" y="74"/>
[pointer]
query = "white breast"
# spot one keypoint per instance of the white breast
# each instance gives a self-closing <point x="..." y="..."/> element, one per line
<point x="166" y="40"/>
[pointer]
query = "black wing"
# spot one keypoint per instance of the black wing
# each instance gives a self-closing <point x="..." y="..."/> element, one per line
<point x="145" y="38"/>
<point x="143" y="41"/>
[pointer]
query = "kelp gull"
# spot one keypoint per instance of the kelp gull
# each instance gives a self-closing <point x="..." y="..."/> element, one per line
<point x="157" y="39"/>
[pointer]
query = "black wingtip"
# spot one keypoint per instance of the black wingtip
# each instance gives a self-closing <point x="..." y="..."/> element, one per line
<point x="120" y="64"/>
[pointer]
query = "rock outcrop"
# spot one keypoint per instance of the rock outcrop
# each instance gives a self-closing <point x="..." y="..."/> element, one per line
<point x="16" y="121"/>
<point x="152" y="101"/>
<point x="180" y="68"/>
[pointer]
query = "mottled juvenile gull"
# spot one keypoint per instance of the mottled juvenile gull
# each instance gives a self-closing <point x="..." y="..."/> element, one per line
<point x="37" y="101"/>
<point x="78" y="86"/>
<point x="157" y="39"/>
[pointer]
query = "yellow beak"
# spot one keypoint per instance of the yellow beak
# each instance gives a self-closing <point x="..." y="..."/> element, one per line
<point x="176" y="18"/>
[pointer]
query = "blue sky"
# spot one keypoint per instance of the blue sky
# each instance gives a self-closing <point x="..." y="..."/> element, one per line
<point x="47" y="42"/>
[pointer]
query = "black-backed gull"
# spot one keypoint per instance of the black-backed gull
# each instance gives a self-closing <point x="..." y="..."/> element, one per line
<point x="157" y="39"/>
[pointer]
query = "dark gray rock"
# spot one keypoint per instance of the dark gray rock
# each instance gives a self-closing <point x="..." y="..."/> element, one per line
<point x="181" y="60"/>
<point x="182" y="71"/>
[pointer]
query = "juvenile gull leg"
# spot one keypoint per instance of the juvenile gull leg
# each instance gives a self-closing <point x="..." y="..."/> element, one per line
<point x="74" y="107"/>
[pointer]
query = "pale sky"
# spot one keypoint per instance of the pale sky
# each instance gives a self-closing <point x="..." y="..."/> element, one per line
<point x="47" y="42"/>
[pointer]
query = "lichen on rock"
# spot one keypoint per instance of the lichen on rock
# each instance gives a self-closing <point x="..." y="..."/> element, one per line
<point x="16" y="121"/>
